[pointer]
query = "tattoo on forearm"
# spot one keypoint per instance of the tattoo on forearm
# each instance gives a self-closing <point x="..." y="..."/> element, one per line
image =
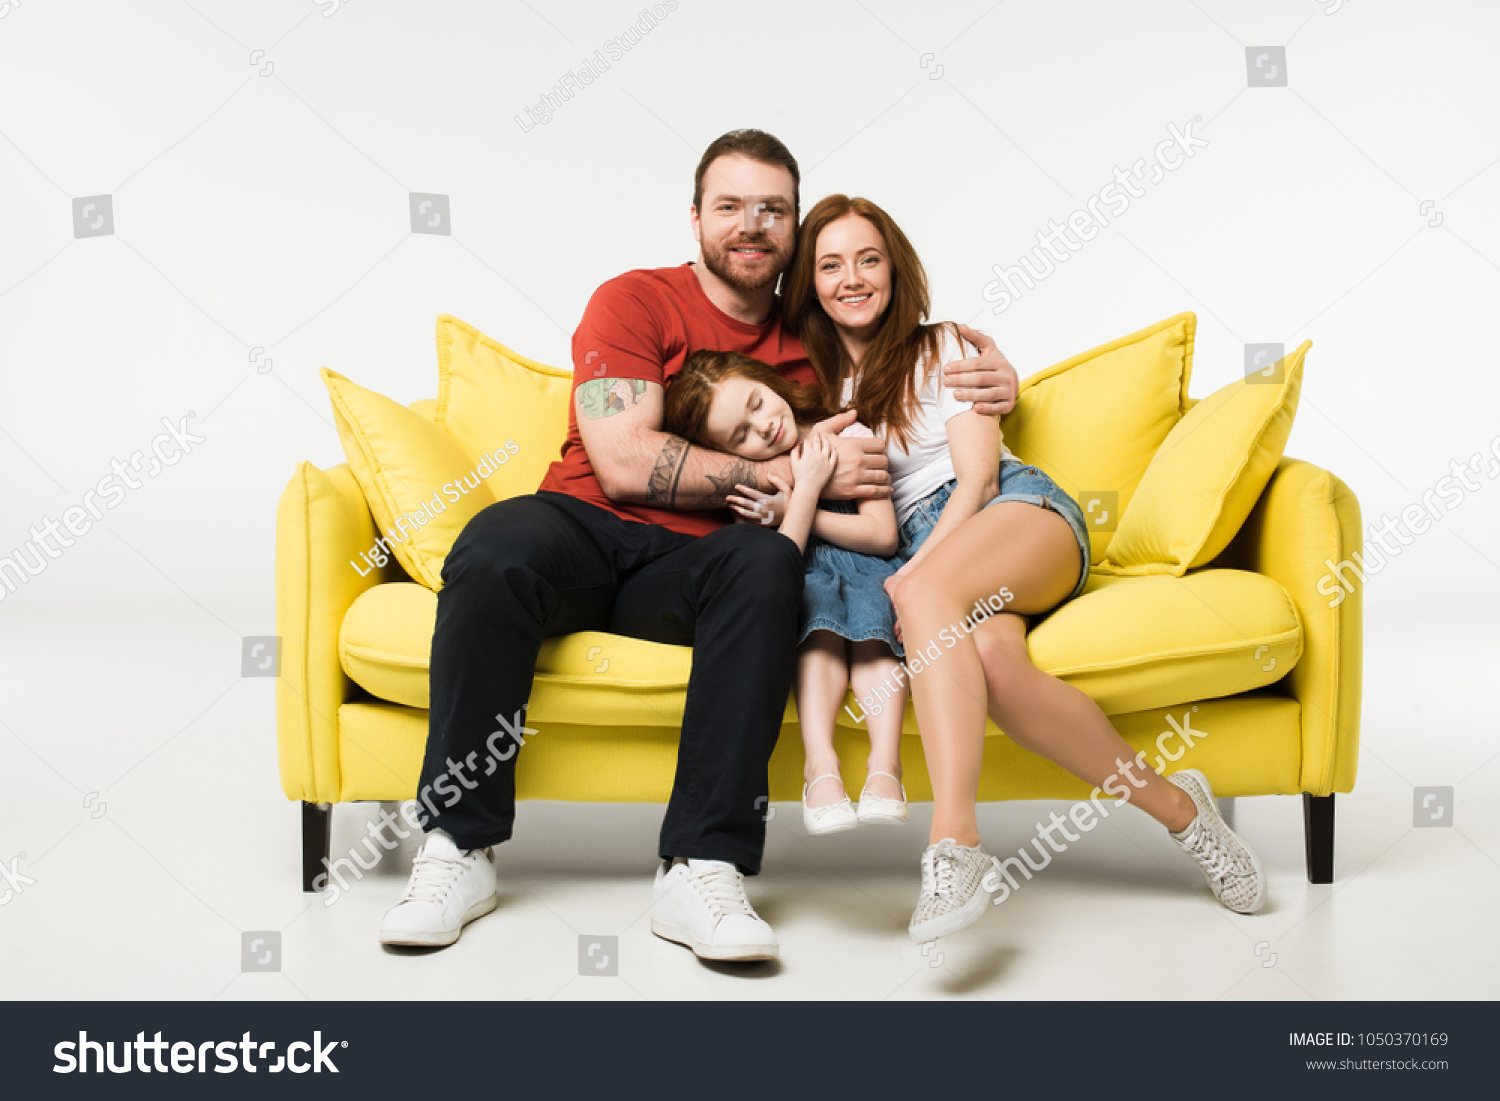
<point x="739" y="472"/>
<point x="604" y="397"/>
<point x="661" y="489"/>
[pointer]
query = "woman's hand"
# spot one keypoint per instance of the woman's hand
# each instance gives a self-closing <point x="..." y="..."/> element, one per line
<point x="892" y="583"/>
<point x="757" y="507"/>
<point x="814" y="460"/>
<point x="832" y="426"/>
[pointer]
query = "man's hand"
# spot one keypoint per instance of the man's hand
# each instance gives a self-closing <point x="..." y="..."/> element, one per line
<point x="987" y="379"/>
<point x="863" y="470"/>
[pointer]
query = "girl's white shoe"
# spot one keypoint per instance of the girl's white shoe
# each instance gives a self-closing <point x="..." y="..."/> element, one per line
<point x="833" y="818"/>
<point x="877" y="808"/>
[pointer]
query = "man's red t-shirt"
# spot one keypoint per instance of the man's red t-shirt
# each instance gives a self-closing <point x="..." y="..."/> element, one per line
<point x="643" y="325"/>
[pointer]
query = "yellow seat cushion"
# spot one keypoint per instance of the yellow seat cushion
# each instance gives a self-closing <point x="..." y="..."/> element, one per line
<point x="593" y="677"/>
<point x="1130" y="643"/>
<point x="1207" y="475"/>
<point x="1094" y="421"/>
<point x="491" y="397"/>
<point x="1133" y="643"/>
<point x="422" y="488"/>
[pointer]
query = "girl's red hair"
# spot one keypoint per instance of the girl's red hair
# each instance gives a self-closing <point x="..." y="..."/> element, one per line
<point x="690" y="392"/>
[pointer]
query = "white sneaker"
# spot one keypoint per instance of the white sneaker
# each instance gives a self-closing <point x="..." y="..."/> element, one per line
<point x="1232" y="869"/>
<point x="702" y="904"/>
<point x="449" y="887"/>
<point x="952" y="893"/>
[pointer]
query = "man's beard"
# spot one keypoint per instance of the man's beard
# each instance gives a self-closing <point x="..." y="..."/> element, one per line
<point x="717" y="259"/>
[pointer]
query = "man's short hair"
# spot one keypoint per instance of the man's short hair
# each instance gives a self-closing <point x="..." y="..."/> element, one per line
<point x="757" y="145"/>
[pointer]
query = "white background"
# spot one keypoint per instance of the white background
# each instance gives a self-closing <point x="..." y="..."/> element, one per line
<point x="271" y="211"/>
<point x="138" y="768"/>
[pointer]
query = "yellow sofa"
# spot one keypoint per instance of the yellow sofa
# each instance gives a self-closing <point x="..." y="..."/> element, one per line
<point x="1247" y="651"/>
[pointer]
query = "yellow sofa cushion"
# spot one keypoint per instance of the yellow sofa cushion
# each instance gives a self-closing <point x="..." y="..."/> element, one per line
<point x="490" y="397"/>
<point x="1207" y="475"/>
<point x="421" y="487"/>
<point x="599" y="678"/>
<point x="1093" y="422"/>
<point x="1133" y="643"/>
<point x="1130" y="643"/>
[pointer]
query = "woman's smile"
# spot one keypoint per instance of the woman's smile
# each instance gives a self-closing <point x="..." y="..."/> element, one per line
<point x="852" y="278"/>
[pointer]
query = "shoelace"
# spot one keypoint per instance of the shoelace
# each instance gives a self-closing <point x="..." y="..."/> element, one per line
<point x="432" y="877"/>
<point x="1216" y="861"/>
<point x="940" y="871"/>
<point x="723" y="888"/>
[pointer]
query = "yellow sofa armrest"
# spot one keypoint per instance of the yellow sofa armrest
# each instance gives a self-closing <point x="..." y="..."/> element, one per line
<point x="322" y="525"/>
<point x="1304" y="526"/>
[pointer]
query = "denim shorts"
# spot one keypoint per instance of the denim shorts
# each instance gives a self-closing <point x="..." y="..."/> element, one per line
<point x="1018" y="482"/>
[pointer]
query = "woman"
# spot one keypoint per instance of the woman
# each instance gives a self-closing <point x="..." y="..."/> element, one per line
<point x="976" y="525"/>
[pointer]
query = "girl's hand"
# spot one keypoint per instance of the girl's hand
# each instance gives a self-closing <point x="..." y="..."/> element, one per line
<point x="761" y="508"/>
<point x="814" y="461"/>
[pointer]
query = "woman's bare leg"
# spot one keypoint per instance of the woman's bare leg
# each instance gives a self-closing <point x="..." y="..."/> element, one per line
<point x="822" y="677"/>
<point x="873" y="666"/>
<point x="1061" y="723"/>
<point x="1031" y="552"/>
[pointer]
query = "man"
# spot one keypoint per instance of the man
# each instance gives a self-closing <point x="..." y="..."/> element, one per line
<point x="628" y="534"/>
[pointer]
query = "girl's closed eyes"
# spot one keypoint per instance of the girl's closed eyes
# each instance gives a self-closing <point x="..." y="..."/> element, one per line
<point x="749" y="419"/>
<point x="738" y="404"/>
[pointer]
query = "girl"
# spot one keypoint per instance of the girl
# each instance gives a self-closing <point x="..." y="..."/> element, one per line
<point x="980" y="531"/>
<point x="737" y="404"/>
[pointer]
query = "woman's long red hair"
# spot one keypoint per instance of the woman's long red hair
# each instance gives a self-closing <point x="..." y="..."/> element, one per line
<point x="886" y="393"/>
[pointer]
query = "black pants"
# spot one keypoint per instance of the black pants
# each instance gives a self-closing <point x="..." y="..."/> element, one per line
<point x="529" y="568"/>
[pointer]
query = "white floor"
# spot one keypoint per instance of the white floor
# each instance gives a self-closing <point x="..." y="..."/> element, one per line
<point x="148" y="897"/>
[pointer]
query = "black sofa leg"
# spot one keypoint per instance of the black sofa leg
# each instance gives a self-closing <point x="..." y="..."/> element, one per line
<point x="317" y="835"/>
<point x="1317" y="821"/>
